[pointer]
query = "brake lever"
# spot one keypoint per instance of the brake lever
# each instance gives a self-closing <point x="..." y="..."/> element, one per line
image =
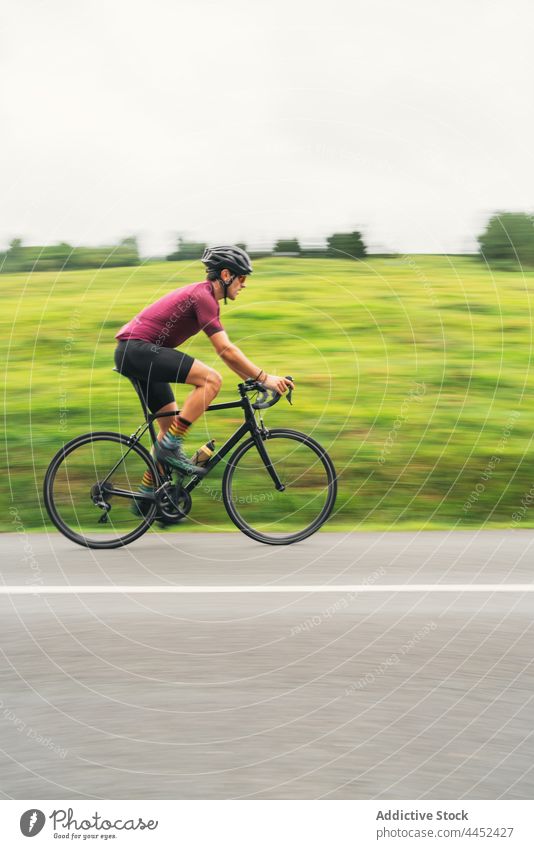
<point x="289" y="391"/>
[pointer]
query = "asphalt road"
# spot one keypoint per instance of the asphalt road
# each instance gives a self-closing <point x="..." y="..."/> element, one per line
<point x="287" y="695"/>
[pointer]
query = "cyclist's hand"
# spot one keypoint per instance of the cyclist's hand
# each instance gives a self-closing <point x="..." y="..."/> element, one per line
<point x="278" y="384"/>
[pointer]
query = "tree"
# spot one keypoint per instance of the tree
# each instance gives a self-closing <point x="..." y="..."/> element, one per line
<point x="187" y="250"/>
<point x="287" y="246"/>
<point x="508" y="236"/>
<point x="127" y="252"/>
<point x="346" y="245"/>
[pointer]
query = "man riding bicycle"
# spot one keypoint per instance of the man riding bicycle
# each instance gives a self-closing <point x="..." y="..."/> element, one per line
<point x="279" y="485"/>
<point x="146" y="350"/>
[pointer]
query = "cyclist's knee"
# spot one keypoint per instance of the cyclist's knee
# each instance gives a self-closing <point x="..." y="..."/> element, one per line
<point x="213" y="381"/>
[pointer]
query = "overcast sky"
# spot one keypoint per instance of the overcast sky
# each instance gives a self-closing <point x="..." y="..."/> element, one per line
<point x="226" y="120"/>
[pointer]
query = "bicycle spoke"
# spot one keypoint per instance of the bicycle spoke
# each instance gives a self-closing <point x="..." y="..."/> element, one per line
<point x="281" y="516"/>
<point x="92" y="492"/>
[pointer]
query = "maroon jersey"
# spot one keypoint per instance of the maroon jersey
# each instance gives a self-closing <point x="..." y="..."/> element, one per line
<point x="177" y="316"/>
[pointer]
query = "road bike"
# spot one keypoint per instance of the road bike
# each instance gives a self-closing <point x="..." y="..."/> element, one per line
<point x="278" y="487"/>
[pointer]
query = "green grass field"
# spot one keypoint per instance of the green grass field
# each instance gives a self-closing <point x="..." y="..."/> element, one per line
<point x="414" y="372"/>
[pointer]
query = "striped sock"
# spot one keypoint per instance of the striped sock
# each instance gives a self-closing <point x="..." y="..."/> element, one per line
<point x="147" y="484"/>
<point x="176" y="433"/>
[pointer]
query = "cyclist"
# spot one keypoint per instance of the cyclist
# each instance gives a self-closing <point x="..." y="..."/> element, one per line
<point x="146" y="350"/>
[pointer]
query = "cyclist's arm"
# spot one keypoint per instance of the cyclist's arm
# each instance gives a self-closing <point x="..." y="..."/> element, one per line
<point x="233" y="356"/>
<point x="236" y="360"/>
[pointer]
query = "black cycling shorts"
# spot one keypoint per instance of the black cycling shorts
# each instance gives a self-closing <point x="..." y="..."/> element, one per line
<point x="155" y="367"/>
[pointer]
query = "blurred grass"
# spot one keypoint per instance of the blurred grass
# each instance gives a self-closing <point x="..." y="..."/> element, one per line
<point x="411" y="371"/>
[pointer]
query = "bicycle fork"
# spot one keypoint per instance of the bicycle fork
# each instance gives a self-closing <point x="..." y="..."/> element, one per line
<point x="259" y="440"/>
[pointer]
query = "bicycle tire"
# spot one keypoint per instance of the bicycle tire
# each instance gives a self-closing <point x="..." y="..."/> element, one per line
<point x="50" y="477"/>
<point x="315" y="524"/>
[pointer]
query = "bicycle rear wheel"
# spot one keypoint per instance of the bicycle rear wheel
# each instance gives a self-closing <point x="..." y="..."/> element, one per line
<point x="82" y="485"/>
<point x="259" y="509"/>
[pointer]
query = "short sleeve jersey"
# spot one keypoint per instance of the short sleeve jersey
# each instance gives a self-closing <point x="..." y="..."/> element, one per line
<point x="176" y="317"/>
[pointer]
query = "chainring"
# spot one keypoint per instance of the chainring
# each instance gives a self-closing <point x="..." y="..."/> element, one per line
<point x="174" y="505"/>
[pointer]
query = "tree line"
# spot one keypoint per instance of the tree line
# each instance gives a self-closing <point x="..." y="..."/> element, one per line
<point x="507" y="238"/>
<point x="20" y="257"/>
<point x="348" y="245"/>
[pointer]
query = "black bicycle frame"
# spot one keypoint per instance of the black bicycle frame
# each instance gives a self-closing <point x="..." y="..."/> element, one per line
<point x="250" y="425"/>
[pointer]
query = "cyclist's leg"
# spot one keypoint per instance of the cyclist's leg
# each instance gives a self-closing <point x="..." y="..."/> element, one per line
<point x="170" y="364"/>
<point x="157" y="366"/>
<point x="165" y="422"/>
<point x="170" y="448"/>
<point x="207" y="383"/>
<point x="154" y="367"/>
<point x="160" y="398"/>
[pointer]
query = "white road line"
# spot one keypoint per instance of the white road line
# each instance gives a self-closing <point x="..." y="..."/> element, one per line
<point x="270" y="588"/>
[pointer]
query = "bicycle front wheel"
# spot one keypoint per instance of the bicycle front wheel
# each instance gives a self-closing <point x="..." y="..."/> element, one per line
<point x="280" y="517"/>
<point x="89" y="490"/>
